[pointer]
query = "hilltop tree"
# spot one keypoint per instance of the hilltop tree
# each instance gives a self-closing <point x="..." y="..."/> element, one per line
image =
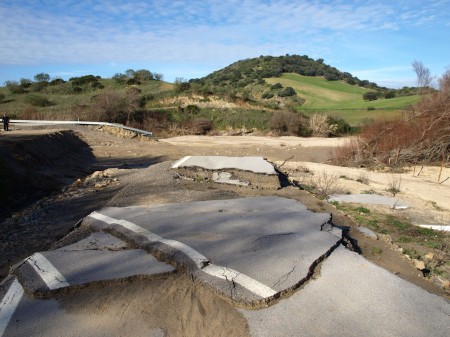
<point x="143" y="75"/>
<point x="129" y="73"/>
<point x="42" y="77"/>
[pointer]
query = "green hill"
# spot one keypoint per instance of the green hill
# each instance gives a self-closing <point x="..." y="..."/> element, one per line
<point x="340" y="99"/>
<point x="245" y="94"/>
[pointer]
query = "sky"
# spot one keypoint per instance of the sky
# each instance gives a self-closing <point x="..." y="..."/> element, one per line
<point x="373" y="40"/>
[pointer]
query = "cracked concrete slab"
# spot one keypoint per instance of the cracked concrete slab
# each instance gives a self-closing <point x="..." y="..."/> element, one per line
<point x="99" y="257"/>
<point x="97" y="241"/>
<point x="273" y="241"/>
<point x="255" y="172"/>
<point x="251" y="164"/>
<point x="347" y="300"/>
<point x="372" y="199"/>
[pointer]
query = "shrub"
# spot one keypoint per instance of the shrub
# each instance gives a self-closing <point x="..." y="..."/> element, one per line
<point x="2" y="98"/>
<point x="324" y="185"/>
<point x="119" y="78"/>
<point x="109" y="106"/>
<point x="320" y="127"/>
<point x="42" y="77"/>
<point x="38" y="86"/>
<point x="133" y="81"/>
<point x="25" y="83"/>
<point x="37" y="100"/>
<point x="288" y="91"/>
<point x="57" y="81"/>
<point x="276" y="86"/>
<point x="267" y="95"/>
<point x="389" y="94"/>
<point x="192" y="109"/>
<point x="341" y="127"/>
<point x="288" y="122"/>
<point x="370" y="96"/>
<point x="14" y="87"/>
<point x="201" y="126"/>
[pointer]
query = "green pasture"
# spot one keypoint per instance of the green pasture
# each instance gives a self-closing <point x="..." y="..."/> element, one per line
<point x="340" y="99"/>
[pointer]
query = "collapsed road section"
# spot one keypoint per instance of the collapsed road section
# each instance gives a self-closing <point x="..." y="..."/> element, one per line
<point x="247" y="250"/>
<point x="255" y="172"/>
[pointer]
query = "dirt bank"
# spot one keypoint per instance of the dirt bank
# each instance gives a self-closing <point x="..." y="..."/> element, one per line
<point x="34" y="164"/>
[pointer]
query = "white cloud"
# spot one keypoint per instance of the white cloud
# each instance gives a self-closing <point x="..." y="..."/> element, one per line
<point x="202" y="32"/>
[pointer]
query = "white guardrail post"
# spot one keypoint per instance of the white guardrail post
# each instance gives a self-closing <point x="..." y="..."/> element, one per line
<point x="43" y="122"/>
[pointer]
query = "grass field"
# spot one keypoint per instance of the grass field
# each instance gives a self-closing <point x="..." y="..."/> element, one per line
<point x="339" y="99"/>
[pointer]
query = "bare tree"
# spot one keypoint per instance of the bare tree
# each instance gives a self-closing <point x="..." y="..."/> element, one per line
<point x="424" y="77"/>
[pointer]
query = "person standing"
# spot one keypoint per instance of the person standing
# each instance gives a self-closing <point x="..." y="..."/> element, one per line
<point x="5" y="122"/>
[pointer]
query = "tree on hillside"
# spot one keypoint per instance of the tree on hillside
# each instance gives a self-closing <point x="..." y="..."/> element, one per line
<point x="42" y="77"/>
<point x="370" y="96"/>
<point x="288" y="91"/>
<point x="143" y="75"/>
<point x="14" y="87"/>
<point x="110" y="107"/>
<point x="25" y="83"/>
<point x="181" y="85"/>
<point x="129" y="73"/>
<point x="119" y="78"/>
<point x="424" y="77"/>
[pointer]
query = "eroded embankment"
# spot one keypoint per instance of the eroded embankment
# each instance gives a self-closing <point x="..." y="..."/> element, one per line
<point x="32" y="166"/>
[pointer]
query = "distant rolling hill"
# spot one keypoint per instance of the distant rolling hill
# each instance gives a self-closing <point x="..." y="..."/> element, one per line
<point x="341" y="99"/>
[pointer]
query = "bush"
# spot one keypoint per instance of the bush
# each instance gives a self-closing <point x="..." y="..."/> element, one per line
<point x="267" y="95"/>
<point x="38" y="86"/>
<point x="288" y="122"/>
<point x="192" y="109"/>
<point x="14" y="87"/>
<point x="37" y="100"/>
<point x="42" y="77"/>
<point x="2" y="98"/>
<point x="110" y="107"/>
<point x="370" y="96"/>
<point x="288" y="91"/>
<point x="57" y="81"/>
<point x="389" y="94"/>
<point x="201" y="126"/>
<point x="120" y="78"/>
<point x="133" y="81"/>
<point x="25" y="83"/>
<point x="341" y="127"/>
<point x="276" y="86"/>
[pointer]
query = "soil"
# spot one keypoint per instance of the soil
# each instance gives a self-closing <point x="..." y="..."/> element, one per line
<point x="92" y="167"/>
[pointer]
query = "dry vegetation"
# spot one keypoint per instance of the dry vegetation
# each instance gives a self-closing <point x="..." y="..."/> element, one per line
<point x="422" y="137"/>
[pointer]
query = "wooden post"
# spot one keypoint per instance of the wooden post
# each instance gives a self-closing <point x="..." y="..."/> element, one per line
<point x="440" y="171"/>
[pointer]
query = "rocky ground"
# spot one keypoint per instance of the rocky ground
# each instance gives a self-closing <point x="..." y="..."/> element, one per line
<point x="52" y="178"/>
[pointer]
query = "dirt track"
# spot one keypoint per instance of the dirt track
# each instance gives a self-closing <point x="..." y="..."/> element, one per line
<point x="39" y="226"/>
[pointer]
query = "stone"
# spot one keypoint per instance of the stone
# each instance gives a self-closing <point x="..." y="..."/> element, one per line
<point x="429" y="256"/>
<point x="419" y="264"/>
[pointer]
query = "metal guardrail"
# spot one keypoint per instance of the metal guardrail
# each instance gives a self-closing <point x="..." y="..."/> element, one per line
<point x="44" y="122"/>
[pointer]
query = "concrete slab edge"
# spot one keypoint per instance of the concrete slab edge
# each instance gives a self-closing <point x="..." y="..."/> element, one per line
<point x="9" y="304"/>
<point x="179" y="254"/>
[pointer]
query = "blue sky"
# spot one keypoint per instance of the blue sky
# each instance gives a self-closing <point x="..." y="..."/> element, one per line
<point x="374" y="40"/>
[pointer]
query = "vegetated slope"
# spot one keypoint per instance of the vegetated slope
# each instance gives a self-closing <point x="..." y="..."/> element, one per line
<point x="341" y="99"/>
<point x="244" y="95"/>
